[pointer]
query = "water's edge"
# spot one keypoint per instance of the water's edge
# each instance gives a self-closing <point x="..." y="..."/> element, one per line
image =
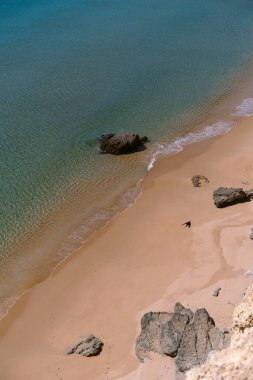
<point x="79" y="237"/>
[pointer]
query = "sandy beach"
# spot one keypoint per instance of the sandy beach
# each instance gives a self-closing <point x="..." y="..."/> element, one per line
<point x="143" y="260"/>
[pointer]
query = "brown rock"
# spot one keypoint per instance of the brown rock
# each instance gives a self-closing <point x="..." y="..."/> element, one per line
<point x="88" y="346"/>
<point x="122" y="143"/>
<point x="224" y="196"/>
<point x="196" y="180"/>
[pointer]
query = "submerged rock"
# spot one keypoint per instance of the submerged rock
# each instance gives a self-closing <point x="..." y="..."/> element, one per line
<point x="122" y="143"/>
<point x="188" y="336"/>
<point x="88" y="346"/>
<point x="224" y="196"/>
<point x="196" y="180"/>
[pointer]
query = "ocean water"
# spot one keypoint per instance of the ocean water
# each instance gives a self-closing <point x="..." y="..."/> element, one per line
<point x="72" y="70"/>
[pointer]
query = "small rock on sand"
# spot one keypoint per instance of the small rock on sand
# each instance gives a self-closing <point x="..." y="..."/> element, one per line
<point x="88" y="346"/>
<point x="249" y="273"/>
<point x="216" y="292"/>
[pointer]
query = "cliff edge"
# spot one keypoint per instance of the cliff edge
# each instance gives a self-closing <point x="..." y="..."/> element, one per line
<point x="235" y="362"/>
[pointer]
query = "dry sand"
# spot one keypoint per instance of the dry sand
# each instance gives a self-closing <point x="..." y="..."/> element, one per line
<point x="142" y="260"/>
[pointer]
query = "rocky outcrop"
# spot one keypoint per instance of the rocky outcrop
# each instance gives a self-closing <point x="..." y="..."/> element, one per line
<point x="187" y="336"/>
<point x="224" y="196"/>
<point x="88" y="346"/>
<point x="235" y="362"/>
<point x="243" y="313"/>
<point x="197" y="180"/>
<point x="122" y="143"/>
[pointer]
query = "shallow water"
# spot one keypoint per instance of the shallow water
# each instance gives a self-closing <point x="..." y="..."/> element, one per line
<point x="72" y="70"/>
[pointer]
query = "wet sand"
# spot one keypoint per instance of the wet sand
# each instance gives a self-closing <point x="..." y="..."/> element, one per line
<point x="143" y="260"/>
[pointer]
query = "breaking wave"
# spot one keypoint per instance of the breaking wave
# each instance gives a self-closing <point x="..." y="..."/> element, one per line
<point x="219" y="128"/>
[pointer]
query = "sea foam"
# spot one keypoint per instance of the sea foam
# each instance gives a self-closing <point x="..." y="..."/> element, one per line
<point x="219" y="128"/>
<point x="245" y="108"/>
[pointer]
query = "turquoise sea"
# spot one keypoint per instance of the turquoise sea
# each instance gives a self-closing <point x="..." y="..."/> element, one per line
<point x="72" y="70"/>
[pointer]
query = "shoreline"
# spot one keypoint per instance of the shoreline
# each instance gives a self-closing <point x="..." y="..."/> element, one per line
<point x="68" y="235"/>
<point x="142" y="260"/>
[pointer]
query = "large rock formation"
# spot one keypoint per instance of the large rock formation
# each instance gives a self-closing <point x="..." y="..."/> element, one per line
<point x="188" y="336"/>
<point x="88" y="346"/>
<point x="224" y="196"/>
<point x="235" y="362"/>
<point x="122" y="143"/>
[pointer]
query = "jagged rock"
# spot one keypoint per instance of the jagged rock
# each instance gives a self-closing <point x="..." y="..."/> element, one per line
<point x="184" y="334"/>
<point x="196" y="180"/>
<point x="235" y="362"/>
<point x="162" y="332"/>
<point x="216" y="292"/>
<point x="88" y="346"/>
<point x="122" y="143"/>
<point x="224" y="196"/>
<point x="243" y="313"/>
<point x="151" y="328"/>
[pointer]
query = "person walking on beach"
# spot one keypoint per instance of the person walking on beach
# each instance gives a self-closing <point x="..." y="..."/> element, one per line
<point x="187" y="224"/>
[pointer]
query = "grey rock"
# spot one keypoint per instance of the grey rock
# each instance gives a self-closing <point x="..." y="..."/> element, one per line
<point x="217" y="338"/>
<point x="151" y="329"/>
<point x="162" y="332"/>
<point x="187" y="354"/>
<point x="122" y="143"/>
<point x="216" y="292"/>
<point x="196" y="180"/>
<point x="202" y="324"/>
<point x="249" y="273"/>
<point x="224" y="196"/>
<point x="88" y="346"/>
<point x="200" y="338"/>
<point x="188" y="336"/>
<point x="171" y="333"/>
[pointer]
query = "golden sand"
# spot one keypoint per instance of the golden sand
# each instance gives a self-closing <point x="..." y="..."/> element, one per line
<point x="143" y="260"/>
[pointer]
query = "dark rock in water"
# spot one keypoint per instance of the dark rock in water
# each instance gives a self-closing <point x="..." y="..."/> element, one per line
<point x="216" y="292"/>
<point x="188" y="336"/>
<point x="88" y="346"/>
<point x="122" y="143"/>
<point x="196" y="180"/>
<point x="224" y="196"/>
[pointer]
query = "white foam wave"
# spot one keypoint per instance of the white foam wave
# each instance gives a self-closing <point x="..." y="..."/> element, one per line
<point x="176" y="146"/>
<point x="7" y="305"/>
<point x="245" y="108"/>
